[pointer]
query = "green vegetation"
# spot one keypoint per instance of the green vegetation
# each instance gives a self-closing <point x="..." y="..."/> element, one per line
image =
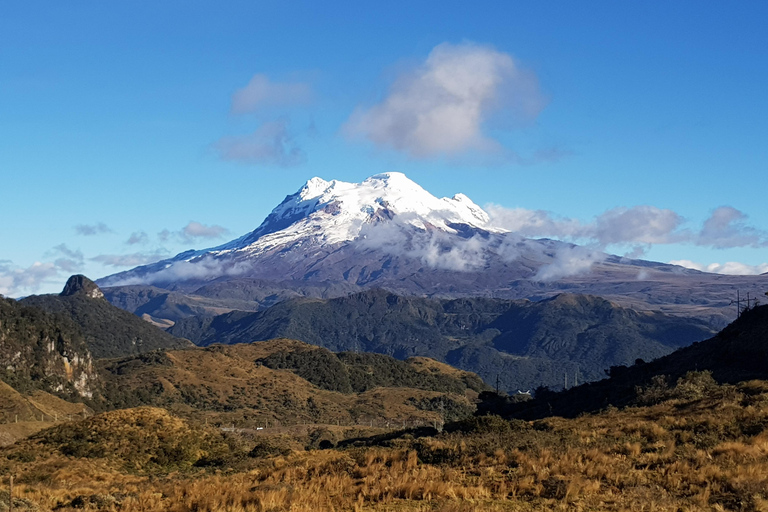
<point x="525" y="343"/>
<point x="108" y="330"/>
<point x="351" y="372"/>
<point x="39" y="350"/>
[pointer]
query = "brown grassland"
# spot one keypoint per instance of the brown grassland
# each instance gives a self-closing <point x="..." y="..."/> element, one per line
<point x="697" y="446"/>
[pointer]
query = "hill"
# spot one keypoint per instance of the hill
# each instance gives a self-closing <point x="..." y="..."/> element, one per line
<point x="691" y="452"/>
<point x="40" y="350"/>
<point x="737" y="353"/>
<point x="108" y="330"/>
<point x="288" y="382"/>
<point x="524" y="343"/>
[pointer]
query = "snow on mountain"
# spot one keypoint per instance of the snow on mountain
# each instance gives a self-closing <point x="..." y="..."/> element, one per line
<point x="331" y="212"/>
<point x="332" y="238"/>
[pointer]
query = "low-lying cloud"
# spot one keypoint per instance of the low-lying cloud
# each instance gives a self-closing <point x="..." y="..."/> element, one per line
<point x="732" y="268"/>
<point x="204" y="267"/>
<point x="442" y="106"/>
<point x="440" y="250"/>
<point x="130" y="260"/>
<point x="569" y="261"/>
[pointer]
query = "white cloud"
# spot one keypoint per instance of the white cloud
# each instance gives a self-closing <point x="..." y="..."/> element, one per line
<point x="92" y="229"/>
<point x="434" y="248"/>
<point x="727" y="227"/>
<point x="270" y="144"/>
<point x="441" y="107"/>
<point x="636" y="226"/>
<point x="732" y="268"/>
<point x="196" y="230"/>
<point x="261" y="92"/>
<point x="569" y="261"/>
<point x="205" y="267"/>
<point x="535" y="223"/>
<point x="130" y="260"/>
<point x="15" y="281"/>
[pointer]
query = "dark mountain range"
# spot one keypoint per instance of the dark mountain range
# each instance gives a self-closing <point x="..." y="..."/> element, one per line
<point x="107" y="330"/>
<point x="525" y="343"/>
<point x="332" y="238"/>
<point x="737" y="353"/>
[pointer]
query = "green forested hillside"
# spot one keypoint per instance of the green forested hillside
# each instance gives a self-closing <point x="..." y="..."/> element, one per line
<point x="108" y="330"/>
<point x="525" y="343"/>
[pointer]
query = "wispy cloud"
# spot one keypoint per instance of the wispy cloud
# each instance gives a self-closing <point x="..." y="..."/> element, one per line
<point x="196" y="230"/>
<point x="727" y="227"/>
<point x="569" y="261"/>
<point x="69" y="260"/>
<point x="637" y="228"/>
<point x="137" y="238"/>
<point x="16" y="280"/>
<point x="262" y="92"/>
<point x="440" y="108"/>
<point x="193" y="231"/>
<point x="204" y="267"/>
<point x="130" y="260"/>
<point x="92" y="229"/>
<point x="271" y="144"/>
<point x="733" y="268"/>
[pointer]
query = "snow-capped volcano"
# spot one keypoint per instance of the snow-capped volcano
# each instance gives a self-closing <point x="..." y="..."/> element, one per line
<point x="331" y="212"/>
<point x="331" y="238"/>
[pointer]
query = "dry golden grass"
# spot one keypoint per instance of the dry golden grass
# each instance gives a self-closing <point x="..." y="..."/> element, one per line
<point x="705" y="453"/>
<point x="222" y="385"/>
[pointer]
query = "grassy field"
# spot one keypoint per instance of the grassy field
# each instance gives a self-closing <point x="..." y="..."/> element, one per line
<point x="696" y="446"/>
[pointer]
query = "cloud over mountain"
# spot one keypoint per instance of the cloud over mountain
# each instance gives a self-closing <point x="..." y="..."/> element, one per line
<point x="441" y="107"/>
<point x="727" y="227"/>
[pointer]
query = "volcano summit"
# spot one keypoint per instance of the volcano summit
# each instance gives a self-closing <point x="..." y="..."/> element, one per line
<point x="332" y="238"/>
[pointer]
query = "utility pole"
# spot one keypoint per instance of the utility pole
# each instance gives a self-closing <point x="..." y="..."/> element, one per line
<point x="497" y="383"/>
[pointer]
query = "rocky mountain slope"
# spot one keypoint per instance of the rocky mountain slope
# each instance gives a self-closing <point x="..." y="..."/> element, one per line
<point x="107" y="330"/>
<point x="333" y="238"/>
<point x="525" y="343"/>
<point x="40" y="350"/>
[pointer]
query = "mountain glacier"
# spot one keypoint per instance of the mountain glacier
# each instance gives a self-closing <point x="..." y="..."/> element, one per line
<point x="332" y="238"/>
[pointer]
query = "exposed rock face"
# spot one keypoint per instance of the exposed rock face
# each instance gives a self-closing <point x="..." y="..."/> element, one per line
<point x="81" y="285"/>
<point x="39" y="350"/>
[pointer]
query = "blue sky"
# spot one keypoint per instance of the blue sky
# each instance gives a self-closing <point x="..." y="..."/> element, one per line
<point x="135" y="130"/>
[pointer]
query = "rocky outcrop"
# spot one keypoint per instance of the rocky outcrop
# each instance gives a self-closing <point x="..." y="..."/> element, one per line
<point x="39" y="350"/>
<point x="81" y="285"/>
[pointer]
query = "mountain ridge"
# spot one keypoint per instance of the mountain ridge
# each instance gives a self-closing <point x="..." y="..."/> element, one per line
<point x="332" y="238"/>
<point x="526" y="343"/>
